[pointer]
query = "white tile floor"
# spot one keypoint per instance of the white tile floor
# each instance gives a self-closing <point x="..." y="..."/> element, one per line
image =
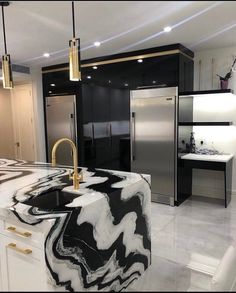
<point x="196" y="226"/>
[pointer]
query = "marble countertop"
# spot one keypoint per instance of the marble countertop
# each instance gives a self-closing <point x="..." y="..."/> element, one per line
<point x="213" y="158"/>
<point x="108" y="223"/>
<point x="21" y="180"/>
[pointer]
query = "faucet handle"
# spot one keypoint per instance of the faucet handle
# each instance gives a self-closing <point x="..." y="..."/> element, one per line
<point x="80" y="176"/>
<point x="71" y="176"/>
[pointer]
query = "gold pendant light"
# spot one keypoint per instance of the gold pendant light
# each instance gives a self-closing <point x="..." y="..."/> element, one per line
<point x="6" y="60"/>
<point x="74" y="53"/>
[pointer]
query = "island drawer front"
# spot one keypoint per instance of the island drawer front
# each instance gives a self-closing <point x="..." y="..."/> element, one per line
<point x="22" y="249"/>
<point x="23" y="266"/>
<point x="22" y="232"/>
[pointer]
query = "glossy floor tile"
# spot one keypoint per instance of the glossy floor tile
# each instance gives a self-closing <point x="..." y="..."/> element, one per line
<point x="197" y="229"/>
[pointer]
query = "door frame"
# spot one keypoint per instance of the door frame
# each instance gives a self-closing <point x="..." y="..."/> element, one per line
<point x="29" y="87"/>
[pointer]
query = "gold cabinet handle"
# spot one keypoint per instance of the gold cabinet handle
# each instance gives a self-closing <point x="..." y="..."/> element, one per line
<point x="13" y="230"/>
<point x="14" y="247"/>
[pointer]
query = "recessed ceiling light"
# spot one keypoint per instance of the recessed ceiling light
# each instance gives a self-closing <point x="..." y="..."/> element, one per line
<point x="89" y="77"/>
<point x="109" y="81"/>
<point x="167" y="29"/>
<point x="50" y="92"/>
<point x="126" y="84"/>
<point x="46" y="55"/>
<point x="154" y="81"/>
<point x="140" y="60"/>
<point x="97" y="44"/>
<point x="52" y="84"/>
<point x="95" y="67"/>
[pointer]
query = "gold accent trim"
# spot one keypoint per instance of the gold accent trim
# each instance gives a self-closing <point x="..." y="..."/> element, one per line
<point x="186" y="55"/>
<point x="13" y="230"/>
<point x="123" y="59"/>
<point x="55" y="70"/>
<point x="74" y="60"/>
<point x="14" y="247"/>
<point x="7" y="72"/>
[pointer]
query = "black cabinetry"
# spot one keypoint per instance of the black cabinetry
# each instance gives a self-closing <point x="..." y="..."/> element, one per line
<point x="103" y="108"/>
<point x="106" y="122"/>
<point x="161" y="71"/>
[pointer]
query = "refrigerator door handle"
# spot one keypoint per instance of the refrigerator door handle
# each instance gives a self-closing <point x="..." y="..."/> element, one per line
<point x="92" y="134"/>
<point x="133" y="137"/>
<point x="72" y="128"/>
<point x="110" y="126"/>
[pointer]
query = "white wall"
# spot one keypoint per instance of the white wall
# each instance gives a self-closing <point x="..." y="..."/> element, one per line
<point x="6" y="126"/>
<point x="214" y="108"/>
<point x="212" y="62"/>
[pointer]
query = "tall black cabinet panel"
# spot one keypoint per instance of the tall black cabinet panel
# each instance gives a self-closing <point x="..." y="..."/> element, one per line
<point x="100" y="103"/>
<point x="88" y="127"/>
<point x="186" y="70"/>
<point x="120" y="107"/>
<point x="101" y="124"/>
<point x="120" y="111"/>
<point x="184" y="175"/>
<point x="106" y="122"/>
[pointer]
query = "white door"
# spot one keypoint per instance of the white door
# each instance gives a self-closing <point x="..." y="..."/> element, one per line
<point x="24" y="268"/>
<point x="6" y="127"/>
<point x="23" y="122"/>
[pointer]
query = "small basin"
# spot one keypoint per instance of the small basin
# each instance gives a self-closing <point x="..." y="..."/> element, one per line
<point x="51" y="199"/>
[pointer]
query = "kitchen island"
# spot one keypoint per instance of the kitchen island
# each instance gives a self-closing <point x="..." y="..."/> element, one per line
<point x="98" y="241"/>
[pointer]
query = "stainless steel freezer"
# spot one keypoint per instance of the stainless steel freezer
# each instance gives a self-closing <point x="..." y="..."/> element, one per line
<point x="154" y="139"/>
<point x="61" y="122"/>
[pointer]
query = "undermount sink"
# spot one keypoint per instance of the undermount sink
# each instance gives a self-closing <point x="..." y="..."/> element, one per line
<point x="51" y="199"/>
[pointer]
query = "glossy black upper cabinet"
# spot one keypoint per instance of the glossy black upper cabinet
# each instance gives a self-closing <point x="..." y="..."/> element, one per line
<point x="58" y="83"/>
<point x="164" y="66"/>
<point x="161" y="71"/>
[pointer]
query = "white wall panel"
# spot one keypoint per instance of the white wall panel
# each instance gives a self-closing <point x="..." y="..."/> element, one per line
<point x="214" y="108"/>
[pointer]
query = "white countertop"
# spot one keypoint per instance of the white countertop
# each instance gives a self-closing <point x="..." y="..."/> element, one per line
<point x="213" y="158"/>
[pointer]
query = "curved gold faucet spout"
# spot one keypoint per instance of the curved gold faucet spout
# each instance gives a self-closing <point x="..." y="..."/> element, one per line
<point x="76" y="176"/>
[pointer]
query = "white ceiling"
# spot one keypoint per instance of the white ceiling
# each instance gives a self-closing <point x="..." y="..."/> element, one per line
<point x="36" y="27"/>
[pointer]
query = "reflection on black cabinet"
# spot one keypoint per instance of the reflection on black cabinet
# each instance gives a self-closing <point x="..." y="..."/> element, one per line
<point x="119" y="104"/>
<point x="101" y="107"/>
<point x="106" y="122"/>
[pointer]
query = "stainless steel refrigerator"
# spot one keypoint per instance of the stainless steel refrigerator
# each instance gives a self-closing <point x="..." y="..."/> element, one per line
<point x="154" y="139"/>
<point x="61" y="122"/>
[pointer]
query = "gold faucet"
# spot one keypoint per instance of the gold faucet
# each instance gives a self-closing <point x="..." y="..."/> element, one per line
<point x="77" y="177"/>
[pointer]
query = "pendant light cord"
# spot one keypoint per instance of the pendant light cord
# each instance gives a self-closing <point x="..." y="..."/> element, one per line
<point x="73" y="19"/>
<point x="4" y="32"/>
